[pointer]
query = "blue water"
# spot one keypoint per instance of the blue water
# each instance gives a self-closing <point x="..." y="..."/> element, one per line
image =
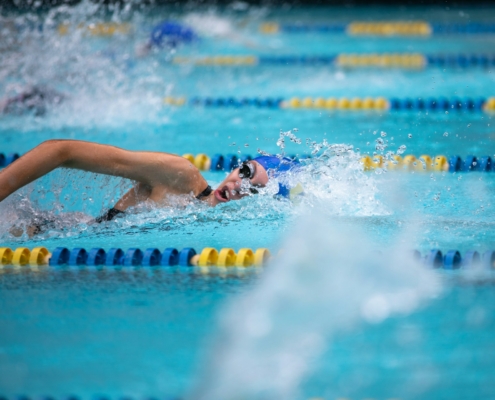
<point x="150" y="333"/>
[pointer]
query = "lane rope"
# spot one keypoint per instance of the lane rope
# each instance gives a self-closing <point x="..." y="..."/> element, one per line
<point x="134" y="257"/>
<point x="381" y="28"/>
<point x="207" y="257"/>
<point x="439" y="163"/>
<point x="433" y="104"/>
<point x="345" y="60"/>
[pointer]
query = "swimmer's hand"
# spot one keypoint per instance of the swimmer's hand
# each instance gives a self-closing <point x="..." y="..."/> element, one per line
<point x="31" y="230"/>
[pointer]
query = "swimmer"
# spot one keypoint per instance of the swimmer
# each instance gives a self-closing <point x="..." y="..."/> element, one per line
<point x="34" y="99"/>
<point x="157" y="176"/>
<point x="167" y="34"/>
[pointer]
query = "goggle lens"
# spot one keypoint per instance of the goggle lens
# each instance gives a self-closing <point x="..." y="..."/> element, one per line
<point x="246" y="170"/>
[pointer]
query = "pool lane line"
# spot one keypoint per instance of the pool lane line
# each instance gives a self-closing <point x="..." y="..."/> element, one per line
<point x="439" y="163"/>
<point x="381" y="28"/>
<point x="133" y="257"/>
<point x="433" y="104"/>
<point x="413" y="61"/>
<point x="355" y="28"/>
<point x="208" y="257"/>
<point x="424" y="163"/>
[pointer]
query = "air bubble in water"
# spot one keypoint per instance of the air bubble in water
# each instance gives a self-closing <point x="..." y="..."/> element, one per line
<point x="409" y="135"/>
<point x="401" y="149"/>
<point x="383" y="134"/>
<point x="445" y="134"/>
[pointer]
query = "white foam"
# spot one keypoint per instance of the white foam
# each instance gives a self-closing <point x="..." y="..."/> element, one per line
<point x="328" y="278"/>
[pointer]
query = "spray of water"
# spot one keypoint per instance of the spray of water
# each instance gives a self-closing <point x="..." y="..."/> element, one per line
<point x="327" y="279"/>
<point x="332" y="180"/>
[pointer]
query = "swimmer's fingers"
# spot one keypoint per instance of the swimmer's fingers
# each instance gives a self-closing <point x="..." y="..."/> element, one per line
<point x="16" y="231"/>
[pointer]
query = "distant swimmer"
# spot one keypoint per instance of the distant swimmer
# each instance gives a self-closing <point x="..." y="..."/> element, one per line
<point x="34" y="99"/>
<point x="157" y="176"/>
<point x="167" y="34"/>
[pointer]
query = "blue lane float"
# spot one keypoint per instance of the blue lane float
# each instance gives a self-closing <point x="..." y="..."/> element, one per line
<point x="78" y="256"/>
<point x="96" y="256"/>
<point x="114" y="257"/>
<point x="133" y="257"/>
<point x="60" y="256"/>
<point x="8" y="159"/>
<point x="151" y="257"/>
<point x="453" y="260"/>
<point x="185" y="256"/>
<point x="170" y="257"/>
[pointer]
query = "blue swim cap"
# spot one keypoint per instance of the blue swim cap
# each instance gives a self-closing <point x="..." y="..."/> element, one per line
<point x="279" y="165"/>
<point x="170" y="33"/>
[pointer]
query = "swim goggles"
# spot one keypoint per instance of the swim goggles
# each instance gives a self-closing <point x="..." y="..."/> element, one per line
<point x="246" y="171"/>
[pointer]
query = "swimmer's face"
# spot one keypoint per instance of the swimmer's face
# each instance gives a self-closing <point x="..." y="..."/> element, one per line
<point x="237" y="184"/>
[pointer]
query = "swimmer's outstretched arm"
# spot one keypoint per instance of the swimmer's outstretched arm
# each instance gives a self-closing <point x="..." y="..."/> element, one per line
<point x="161" y="172"/>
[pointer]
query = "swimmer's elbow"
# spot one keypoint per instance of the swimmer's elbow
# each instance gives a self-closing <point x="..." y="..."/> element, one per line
<point x="59" y="150"/>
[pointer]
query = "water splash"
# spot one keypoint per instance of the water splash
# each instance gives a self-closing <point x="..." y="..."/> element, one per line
<point x="327" y="279"/>
<point x="333" y="180"/>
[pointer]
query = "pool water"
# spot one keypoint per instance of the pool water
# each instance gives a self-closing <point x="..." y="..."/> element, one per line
<point x="319" y="321"/>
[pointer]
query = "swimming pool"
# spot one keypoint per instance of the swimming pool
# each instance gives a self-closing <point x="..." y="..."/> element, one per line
<point x="330" y="317"/>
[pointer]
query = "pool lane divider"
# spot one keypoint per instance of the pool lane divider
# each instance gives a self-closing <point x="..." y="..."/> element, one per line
<point x="347" y="60"/>
<point x="229" y="162"/>
<point x="133" y="257"/>
<point x="440" y="104"/>
<point x="381" y="28"/>
<point x="426" y="163"/>
<point x="396" y="162"/>
<point x="207" y="257"/>
<point x="353" y="28"/>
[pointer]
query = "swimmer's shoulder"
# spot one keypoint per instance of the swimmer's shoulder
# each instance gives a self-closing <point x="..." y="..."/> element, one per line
<point x="179" y="173"/>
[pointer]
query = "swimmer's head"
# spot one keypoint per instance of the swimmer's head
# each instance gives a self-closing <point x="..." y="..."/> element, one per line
<point x="257" y="172"/>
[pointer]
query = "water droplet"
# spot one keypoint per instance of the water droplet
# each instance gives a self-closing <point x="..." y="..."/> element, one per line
<point x="401" y="149"/>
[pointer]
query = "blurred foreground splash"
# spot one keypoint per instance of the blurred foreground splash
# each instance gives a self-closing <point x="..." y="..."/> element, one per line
<point x="327" y="280"/>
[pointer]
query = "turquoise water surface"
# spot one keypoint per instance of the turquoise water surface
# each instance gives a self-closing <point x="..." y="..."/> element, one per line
<point x="329" y="318"/>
